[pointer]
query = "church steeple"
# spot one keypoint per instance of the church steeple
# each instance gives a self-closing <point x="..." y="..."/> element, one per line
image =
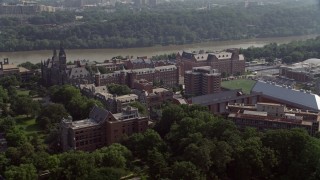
<point x="61" y="52"/>
<point x="62" y="58"/>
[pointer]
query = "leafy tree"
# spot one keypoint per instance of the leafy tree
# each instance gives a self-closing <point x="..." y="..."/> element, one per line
<point x="74" y="165"/>
<point x="119" y="89"/>
<point x="115" y="156"/>
<point x="25" y="105"/>
<point x="16" y="137"/>
<point x="184" y="170"/>
<point x="24" y="172"/>
<point x="8" y="81"/>
<point x="141" y="108"/>
<point x="157" y="164"/>
<point x="50" y="115"/>
<point x="4" y="98"/>
<point x="170" y="114"/>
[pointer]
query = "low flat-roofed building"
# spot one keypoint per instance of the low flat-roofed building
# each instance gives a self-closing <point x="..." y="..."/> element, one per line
<point x="274" y="93"/>
<point x="7" y="69"/>
<point x="218" y="102"/>
<point x="273" y="116"/>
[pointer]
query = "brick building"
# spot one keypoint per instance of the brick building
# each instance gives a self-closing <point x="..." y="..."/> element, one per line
<point x="164" y="75"/>
<point x="229" y="62"/>
<point x="202" y="80"/>
<point x="100" y="129"/>
<point x="305" y="71"/>
<point x="265" y="116"/>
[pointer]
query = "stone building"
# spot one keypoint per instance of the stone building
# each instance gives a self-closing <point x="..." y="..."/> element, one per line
<point x="101" y="128"/>
<point x="56" y="71"/>
<point x="228" y="62"/>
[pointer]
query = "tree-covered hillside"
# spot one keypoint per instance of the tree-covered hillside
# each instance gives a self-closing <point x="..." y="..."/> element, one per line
<point x="162" y="26"/>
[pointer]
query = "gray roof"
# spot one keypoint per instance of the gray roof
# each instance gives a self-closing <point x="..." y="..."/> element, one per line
<point x="302" y="99"/>
<point x="98" y="114"/>
<point x="78" y="72"/>
<point x="216" y="97"/>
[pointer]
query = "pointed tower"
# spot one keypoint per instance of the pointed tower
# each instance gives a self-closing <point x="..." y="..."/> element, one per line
<point x="97" y="78"/>
<point x="62" y="58"/>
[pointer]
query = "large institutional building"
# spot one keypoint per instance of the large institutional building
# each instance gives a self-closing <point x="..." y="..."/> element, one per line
<point x="305" y="71"/>
<point x="228" y="62"/>
<point x="164" y="75"/>
<point x="100" y="129"/>
<point x="273" y="93"/>
<point x="55" y="71"/>
<point x="201" y="81"/>
<point x="273" y="116"/>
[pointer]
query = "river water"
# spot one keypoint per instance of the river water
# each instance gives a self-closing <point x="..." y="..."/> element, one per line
<point x="103" y="54"/>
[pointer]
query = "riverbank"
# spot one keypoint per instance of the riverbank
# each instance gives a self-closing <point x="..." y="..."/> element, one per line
<point x="103" y="54"/>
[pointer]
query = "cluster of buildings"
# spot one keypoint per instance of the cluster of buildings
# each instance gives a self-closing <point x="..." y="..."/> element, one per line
<point x="305" y="71"/>
<point x="24" y="8"/>
<point x="268" y="106"/>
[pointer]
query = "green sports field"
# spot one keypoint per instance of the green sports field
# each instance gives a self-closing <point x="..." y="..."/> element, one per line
<point x="244" y="84"/>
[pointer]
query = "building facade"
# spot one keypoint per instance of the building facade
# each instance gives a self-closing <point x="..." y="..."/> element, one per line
<point x="217" y="103"/>
<point x="55" y="71"/>
<point x="229" y="62"/>
<point x="164" y="75"/>
<point x="100" y="129"/>
<point x="201" y="81"/>
<point x="265" y="116"/>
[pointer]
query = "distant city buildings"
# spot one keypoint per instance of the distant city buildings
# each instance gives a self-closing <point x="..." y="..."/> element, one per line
<point x="101" y="128"/>
<point x="228" y="62"/>
<point x="266" y="116"/>
<point x="201" y="81"/>
<point x="26" y="8"/>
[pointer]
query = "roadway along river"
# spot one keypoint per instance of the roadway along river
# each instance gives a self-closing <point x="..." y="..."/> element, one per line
<point x="103" y="54"/>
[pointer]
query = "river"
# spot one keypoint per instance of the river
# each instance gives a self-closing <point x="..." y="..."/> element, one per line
<point x="103" y="54"/>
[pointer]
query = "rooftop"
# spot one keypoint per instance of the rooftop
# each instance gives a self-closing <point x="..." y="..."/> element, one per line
<point x="268" y="118"/>
<point x="304" y="100"/>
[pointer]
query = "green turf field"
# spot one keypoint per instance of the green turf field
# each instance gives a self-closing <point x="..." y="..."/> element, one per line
<point x="244" y="84"/>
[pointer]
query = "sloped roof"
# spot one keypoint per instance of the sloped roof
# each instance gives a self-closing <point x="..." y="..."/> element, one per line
<point x="98" y="114"/>
<point x="312" y="61"/>
<point x="298" y="98"/>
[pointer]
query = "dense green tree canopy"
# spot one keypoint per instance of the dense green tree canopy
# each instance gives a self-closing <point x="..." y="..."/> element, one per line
<point x="164" y="26"/>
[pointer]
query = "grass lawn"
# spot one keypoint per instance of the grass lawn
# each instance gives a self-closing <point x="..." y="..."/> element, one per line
<point x="244" y="84"/>
<point x="28" y="124"/>
<point x="23" y="92"/>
